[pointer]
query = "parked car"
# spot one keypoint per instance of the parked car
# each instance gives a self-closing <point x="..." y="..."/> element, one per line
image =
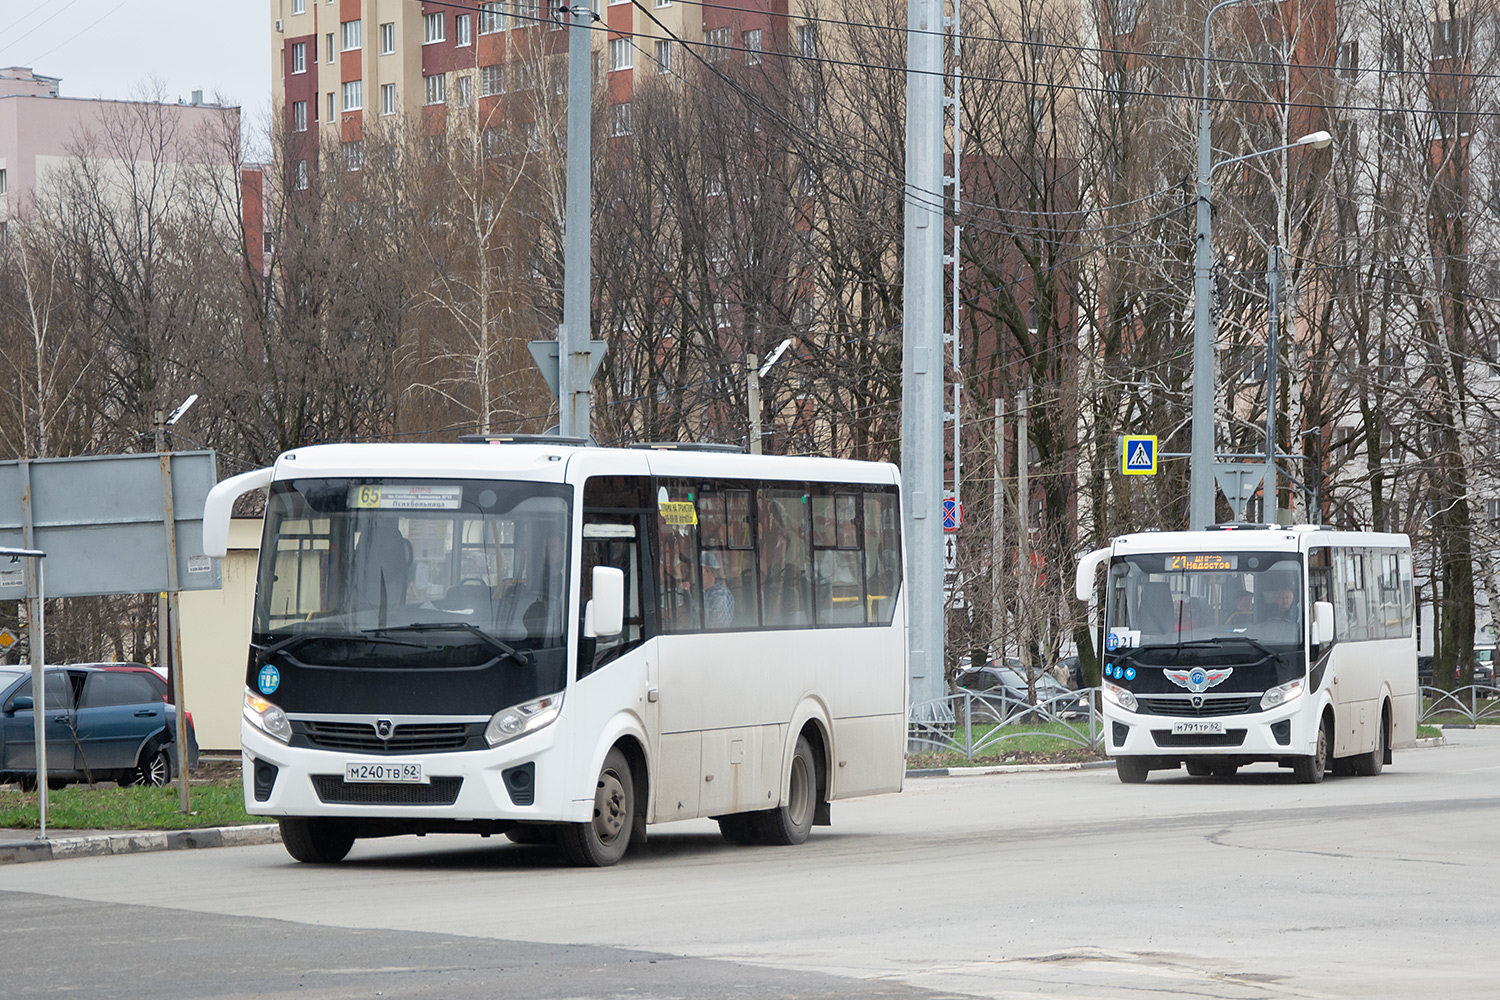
<point x="1003" y="691"/>
<point x="102" y="725"/>
<point x="1484" y="666"/>
<point x="1424" y="670"/>
<point x="1069" y="668"/>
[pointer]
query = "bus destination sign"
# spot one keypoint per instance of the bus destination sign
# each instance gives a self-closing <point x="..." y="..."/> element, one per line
<point x="1200" y="562"/>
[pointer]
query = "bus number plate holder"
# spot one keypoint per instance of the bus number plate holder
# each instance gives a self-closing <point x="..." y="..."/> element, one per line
<point x="386" y="771"/>
<point x="1215" y="728"/>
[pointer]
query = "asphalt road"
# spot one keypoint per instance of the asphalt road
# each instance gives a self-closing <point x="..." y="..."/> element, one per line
<point x="1055" y="884"/>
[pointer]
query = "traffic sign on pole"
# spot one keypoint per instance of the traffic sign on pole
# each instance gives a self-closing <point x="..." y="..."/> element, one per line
<point x="1138" y="454"/>
<point x="953" y="514"/>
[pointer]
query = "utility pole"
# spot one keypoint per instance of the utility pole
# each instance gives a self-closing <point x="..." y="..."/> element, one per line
<point x="752" y="364"/>
<point x="573" y="375"/>
<point x="169" y="607"/>
<point x="922" y="348"/>
<point x="997" y="539"/>
<point x="1273" y="281"/>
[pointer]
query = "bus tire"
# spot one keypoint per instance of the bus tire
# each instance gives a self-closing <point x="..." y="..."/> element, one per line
<point x="739" y="828"/>
<point x="1371" y="764"/>
<point x="1311" y="769"/>
<point x="602" y="841"/>
<point x="1131" y="770"/>
<point x="315" y="841"/>
<point x="791" y="823"/>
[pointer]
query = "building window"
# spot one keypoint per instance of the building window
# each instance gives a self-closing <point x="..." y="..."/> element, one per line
<point x="1447" y="37"/>
<point x="354" y="155"/>
<point x="354" y="95"/>
<point x="619" y="122"/>
<point x="718" y="43"/>
<point x="663" y="3"/>
<point x="620" y="51"/>
<point x="433" y="29"/>
<point x="328" y="39"/>
<point x="4" y="187"/>
<point x="491" y="18"/>
<point x="1392" y="53"/>
<point x="299" y="116"/>
<point x="299" y="6"/>
<point x="299" y="175"/>
<point x="491" y="80"/>
<point x="461" y="30"/>
<point x="1036" y="45"/>
<point x="388" y="38"/>
<point x="268" y="242"/>
<point x="387" y="98"/>
<point x="1349" y="58"/>
<point x="331" y="110"/>
<point x="299" y="57"/>
<point x="436" y="88"/>
<point x="807" y="41"/>
<point x="752" y="47"/>
<point x="354" y="34"/>
<point x="663" y="56"/>
<point x="465" y="91"/>
<point x="533" y="138"/>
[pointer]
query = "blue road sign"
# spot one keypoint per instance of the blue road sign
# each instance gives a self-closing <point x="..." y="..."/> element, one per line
<point x="953" y="514"/>
<point x="1138" y="455"/>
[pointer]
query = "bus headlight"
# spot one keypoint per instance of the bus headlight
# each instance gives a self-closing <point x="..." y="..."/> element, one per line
<point x="518" y="720"/>
<point x="1280" y="695"/>
<point x="1120" y="697"/>
<point x="267" y="717"/>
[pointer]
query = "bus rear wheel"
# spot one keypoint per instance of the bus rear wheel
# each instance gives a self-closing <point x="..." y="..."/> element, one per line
<point x="315" y="841"/>
<point x="1310" y="770"/>
<point x="601" y="841"/>
<point x="792" y="822"/>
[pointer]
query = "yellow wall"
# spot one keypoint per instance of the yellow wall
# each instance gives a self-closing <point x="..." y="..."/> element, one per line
<point x="216" y="642"/>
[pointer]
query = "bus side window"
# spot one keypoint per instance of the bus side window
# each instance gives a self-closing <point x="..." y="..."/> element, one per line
<point x="678" y="589"/>
<point x="882" y="556"/>
<point x="785" y="558"/>
<point x="611" y="540"/>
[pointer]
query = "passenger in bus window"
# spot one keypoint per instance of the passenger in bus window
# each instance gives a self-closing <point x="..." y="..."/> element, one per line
<point x="718" y="600"/>
<point x="1244" y="610"/>
<point x="1282" y="606"/>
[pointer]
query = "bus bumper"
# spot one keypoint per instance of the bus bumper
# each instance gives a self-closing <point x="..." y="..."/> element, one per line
<point x="522" y="781"/>
<point x="1279" y="734"/>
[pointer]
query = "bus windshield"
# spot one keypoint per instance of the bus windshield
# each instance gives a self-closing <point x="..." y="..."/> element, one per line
<point x="1170" y="598"/>
<point x="403" y="562"/>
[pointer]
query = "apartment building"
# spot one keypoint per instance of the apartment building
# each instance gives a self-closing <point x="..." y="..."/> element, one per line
<point x="41" y="131"/>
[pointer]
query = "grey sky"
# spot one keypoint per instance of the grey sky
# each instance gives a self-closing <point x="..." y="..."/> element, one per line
<point x="113" y="48"/>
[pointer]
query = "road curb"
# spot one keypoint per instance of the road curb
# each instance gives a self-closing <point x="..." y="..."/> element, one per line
<point x="956" y="772"/>
<point x="139" y="842"/>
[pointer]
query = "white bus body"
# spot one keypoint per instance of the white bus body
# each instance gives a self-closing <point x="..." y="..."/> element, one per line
<point x="1236" y="645"/>
<point x="433" y="648"/>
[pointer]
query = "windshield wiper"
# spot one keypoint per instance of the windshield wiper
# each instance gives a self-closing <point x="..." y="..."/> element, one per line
<point x="264" y="653"/>
<point x="519" y="656"/>
<point x="1216" y="640"/>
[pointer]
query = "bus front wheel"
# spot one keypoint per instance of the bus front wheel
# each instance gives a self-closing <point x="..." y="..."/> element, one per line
<point x="1371" y="764"/>
<point x="792" y="822"/>
<point x="1310" y="770"/>
<point x="315" y="841"/>
<point x="1131" y="770"/>
<point x="601" y="842"/>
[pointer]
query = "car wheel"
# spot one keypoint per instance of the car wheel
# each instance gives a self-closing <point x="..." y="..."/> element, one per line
<point x="155" y="768"/>
<point x="1310" y="770"/>
<point x="1131" y="770"/>
<point x="602" y="841"/>
<point x="791" y="823"/>
<point x="315" y="841"/>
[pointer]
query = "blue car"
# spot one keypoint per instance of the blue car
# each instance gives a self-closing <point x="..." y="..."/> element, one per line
<point x="101" y="725"/>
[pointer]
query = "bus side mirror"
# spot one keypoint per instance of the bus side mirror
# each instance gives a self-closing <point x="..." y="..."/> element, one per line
<point x="1322" y="623"/>
<point x="605" y="614"/>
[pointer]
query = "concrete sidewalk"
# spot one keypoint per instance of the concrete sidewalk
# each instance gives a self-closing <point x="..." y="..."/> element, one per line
<point x="17" y="846"/>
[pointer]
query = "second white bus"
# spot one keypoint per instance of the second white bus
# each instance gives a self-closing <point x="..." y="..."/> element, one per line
<point x="564" y="644"/>
<point x="1252" y="643"/>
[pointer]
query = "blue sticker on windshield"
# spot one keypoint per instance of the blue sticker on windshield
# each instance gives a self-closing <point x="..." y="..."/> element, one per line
<point x="268" y="680"/>
<point x="1130" y="673"/>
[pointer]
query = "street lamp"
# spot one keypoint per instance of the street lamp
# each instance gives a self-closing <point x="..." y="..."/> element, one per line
<point x="1201" y="461"/>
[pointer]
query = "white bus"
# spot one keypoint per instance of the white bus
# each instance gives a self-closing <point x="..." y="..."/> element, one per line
<point x="1211" y="661"/>
<point x="565" y="643"/>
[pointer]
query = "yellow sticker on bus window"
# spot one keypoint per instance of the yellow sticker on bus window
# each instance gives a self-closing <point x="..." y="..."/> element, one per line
<point x="364" y="496"/>
<point x="681" y="512"/>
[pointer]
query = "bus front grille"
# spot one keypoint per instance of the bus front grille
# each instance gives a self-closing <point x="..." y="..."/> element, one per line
<point x="360" y="737"/>
<point x="1210" y="706"/>
<point x="334" y="790"/>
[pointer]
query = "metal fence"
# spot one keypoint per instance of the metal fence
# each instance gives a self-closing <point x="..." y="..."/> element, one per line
<point x="1472" y="705"/>
<point x="979" y="724"/>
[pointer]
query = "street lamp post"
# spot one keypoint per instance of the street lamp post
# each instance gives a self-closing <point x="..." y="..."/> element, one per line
<point x="1201" y="460"/>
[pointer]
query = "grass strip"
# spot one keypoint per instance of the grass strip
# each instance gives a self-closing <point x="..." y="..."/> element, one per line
<point x="81" y="808"/>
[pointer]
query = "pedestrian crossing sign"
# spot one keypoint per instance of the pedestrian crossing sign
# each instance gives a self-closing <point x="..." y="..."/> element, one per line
<point x="1138" y="455"/>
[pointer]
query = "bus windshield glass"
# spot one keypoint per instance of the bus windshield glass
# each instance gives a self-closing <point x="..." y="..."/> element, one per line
<point x="406" y="563"/>
<point x="1170" y="598"/>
